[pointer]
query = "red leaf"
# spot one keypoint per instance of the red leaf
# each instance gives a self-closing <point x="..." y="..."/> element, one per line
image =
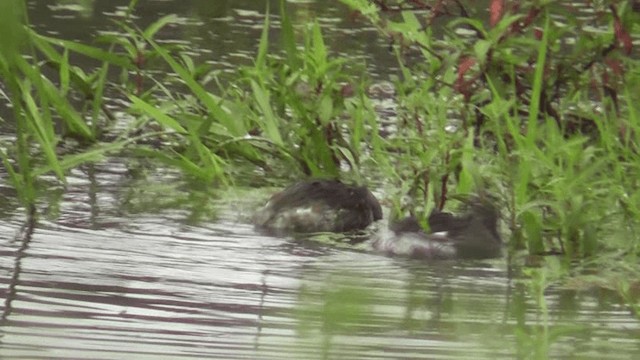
<point x="538" y="32"/>
<point x="465" y="64"/>
<point x="461" y="85"/>
<point x="531" y="16"/>
<point x="437" y="8"/>
<point x="346" y="90"/>
<point x="615" y="66"/>
<point x="621" y="34"/>
<point x="496" y="10"/>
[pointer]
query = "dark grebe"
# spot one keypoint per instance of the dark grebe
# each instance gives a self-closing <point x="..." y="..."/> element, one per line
<point x="471" y="236"/>
<point x="319" y="206"/>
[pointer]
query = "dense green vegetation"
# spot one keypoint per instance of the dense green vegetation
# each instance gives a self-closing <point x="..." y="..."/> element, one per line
<point x="546" y="110"/>
<point x="530" y="107"/>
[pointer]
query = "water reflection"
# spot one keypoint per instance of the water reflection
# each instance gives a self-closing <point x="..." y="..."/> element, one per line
<point x="102" y="283"/>
<point x="97" y="283"/>
<point x="223" y="33"/>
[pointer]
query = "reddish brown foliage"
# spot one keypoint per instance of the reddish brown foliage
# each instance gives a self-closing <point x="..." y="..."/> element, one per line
<point x="615" y="66"/>
<point x="537" y="32"/>
<point x="461" y="85"/>
<point x="528" y="20"/>
<point x="622" y="36"/>
<point x="496" y="11"/>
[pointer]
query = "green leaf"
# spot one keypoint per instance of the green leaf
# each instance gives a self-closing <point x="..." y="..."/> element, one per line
<point x="152" y="29"/>
<point x="94" y="154"/>
<point x="532" y="226"/>
<point x="287" y="37"/>
<point x="235" y="127"/>
<point x="480" y="49"/>
<point x="156" y="114"/>
<point x="46" y="89"/>
<point x="180" y="161"/>
<point x="270" y="122"/>
<point x="263" y="46"/>
<point x="466" y="181"/>
<point x="43" y="131"/>
<point x="12" y="29"/>
<point x="536" y="91"/>
<point x="325" y="109"/>
<point x="64" y="73"/>
<point x="90" y="51"/>
<point x="319" y="49"/>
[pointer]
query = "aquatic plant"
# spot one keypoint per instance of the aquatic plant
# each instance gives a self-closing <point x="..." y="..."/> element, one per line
<point x="305" y="98"/>
<point x="41" y="106"/>
<point x="510" y="108"/>
<point x="544" y="112"/>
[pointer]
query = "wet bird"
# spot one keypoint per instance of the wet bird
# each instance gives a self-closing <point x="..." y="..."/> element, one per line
<point x="473" y="235"/>
<point x="332" y="206"/>
<point x="319" y="206"/>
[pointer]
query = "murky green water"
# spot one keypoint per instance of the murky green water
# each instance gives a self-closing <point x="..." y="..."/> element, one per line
<point x="102" y="282"/>
<point x="109" y="274"/>
<point x="224" y="33"/>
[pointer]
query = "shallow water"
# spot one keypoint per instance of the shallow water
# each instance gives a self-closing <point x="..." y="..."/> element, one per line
<point x="104" y="282"/>
<point x="126" y="267"/>
<point x="222" y="33"/>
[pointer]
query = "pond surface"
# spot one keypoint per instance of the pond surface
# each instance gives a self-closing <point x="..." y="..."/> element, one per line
<point x="223" y="33"/>
<point x="104" y="281"/>
<point x="122" y="268"/>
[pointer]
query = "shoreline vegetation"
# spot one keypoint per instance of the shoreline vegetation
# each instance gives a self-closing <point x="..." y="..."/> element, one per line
<point x="529" y="106"/>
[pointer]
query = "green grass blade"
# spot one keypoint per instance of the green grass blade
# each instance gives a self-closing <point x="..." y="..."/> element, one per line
<point x="46" y="89"/>
<point x="87" y="50"/>
<point x="152" y="29"/>
<point x="263" y="46"/>
<point x="42" y="128"/>
<point x="64" y="73"/>
<point x="536" y="91"/>
<point x="98" y="96"/>
<point x="156" y="114"/>
<point x="287" y="37"/>
<point x="235" y="127"/>
<point x="270" y="121"/>
<point x="181" y="162"/>
<point x="94" y="154"/>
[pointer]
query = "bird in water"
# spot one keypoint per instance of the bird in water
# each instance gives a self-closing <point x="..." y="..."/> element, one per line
<point x="319" y="206"/>
<point x="332" y="206"/>
<point x="473" y="235"/>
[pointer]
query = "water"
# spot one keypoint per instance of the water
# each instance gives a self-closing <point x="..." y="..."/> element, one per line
<point x="223" y="33"/>
<point x="103" y="281"/>
<point x="124" y="265"/>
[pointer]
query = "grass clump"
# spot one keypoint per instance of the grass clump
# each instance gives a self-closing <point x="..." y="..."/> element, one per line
<point x="539" y="115"/>
<point x="545" y="115"/>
